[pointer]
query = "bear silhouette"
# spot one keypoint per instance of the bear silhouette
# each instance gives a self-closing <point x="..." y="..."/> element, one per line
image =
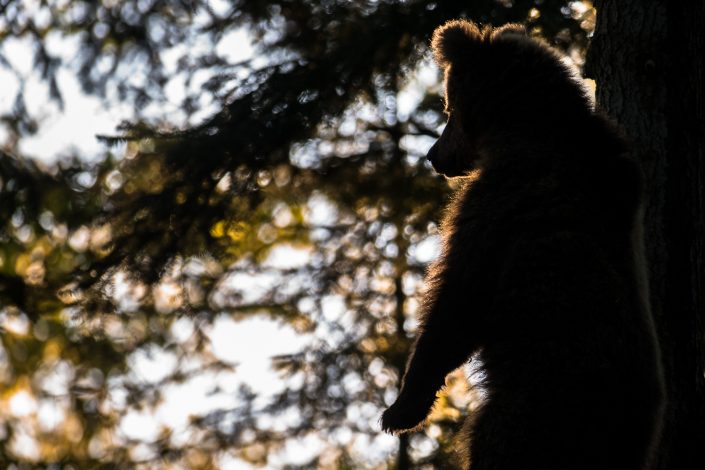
<point x="541" y="274"/>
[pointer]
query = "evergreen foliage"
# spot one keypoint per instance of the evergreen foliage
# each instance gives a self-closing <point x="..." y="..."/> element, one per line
<point x="312" y="148"/>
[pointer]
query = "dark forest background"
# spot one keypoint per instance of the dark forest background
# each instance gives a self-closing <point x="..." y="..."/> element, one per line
<point x="289" y="187"/>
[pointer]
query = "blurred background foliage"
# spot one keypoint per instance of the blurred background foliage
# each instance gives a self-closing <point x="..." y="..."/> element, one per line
<point x="288" y="188"/>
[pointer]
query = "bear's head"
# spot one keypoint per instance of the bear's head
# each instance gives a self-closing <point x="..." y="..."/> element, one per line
<point x="503" y="91"/>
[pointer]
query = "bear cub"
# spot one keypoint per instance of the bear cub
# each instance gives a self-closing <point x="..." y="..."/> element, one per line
<point x="541" y="273"/>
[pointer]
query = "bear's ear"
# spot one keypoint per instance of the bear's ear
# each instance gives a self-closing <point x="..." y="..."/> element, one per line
<point x="509" y="30"/>
<point x="452" y="41"/>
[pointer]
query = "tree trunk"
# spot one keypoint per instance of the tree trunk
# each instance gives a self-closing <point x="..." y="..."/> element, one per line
<point x="403" y="457"/>
<point x="647" y="59"/>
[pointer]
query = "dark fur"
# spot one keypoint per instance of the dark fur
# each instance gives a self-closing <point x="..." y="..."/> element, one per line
<point x="541" y="269"/>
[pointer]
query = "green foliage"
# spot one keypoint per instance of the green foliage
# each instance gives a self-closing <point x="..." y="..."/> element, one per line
<point x="309" y="153"/>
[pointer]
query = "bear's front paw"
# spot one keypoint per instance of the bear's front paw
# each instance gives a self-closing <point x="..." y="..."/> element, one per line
<point x="406" y="414"/>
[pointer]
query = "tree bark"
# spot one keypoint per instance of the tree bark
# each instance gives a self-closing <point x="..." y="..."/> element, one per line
<point x="403" y="458"/>
<point x="647" y="60"/>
